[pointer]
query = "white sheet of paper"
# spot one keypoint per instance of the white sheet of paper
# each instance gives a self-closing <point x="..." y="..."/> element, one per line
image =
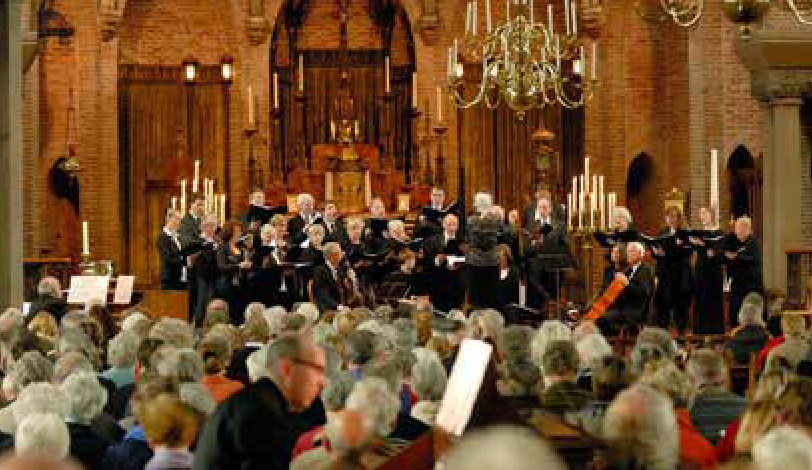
<point x="86" y="288"/>
<point x="124" y="289"/>
<point x="452" y="260"/>
<point x="463" y="386"/>
<point x="26" y="308"/>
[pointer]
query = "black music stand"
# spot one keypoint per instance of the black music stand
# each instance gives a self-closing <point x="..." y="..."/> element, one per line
<point x="557" y="264"/>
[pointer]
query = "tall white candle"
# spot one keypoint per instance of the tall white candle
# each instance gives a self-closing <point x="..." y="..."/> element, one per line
<point x="550" y="17"/>
<point x="574" y="11"/>
<point x="388" y="85"/>
<point x="569" y="211"/>
<point x="182" y="196"/>
<point x="439" y="104"/>
<point x="214" y="208"/>
<point x="567" y="16"/>
<point x="714" y="190"/>
<point x="223" y="209"/>
<point x="301" y="73"/>
<point x="174" y="203"/>
<point x="601" y="202"/>
<point x="85" y="238"/>
<point x="197" y="176"/>
<point x="468" y="17"/>
<point x="586" y="172"/>
<point x="530" y="7"/>
<point x="357" y="129"/>
<point x="593" y="199"/>
<point x="594" y="60"/>
<point x="251" y="117"/>
<point x="507" y="11"/>
<point x="488" y="15"/>
<point x="581" y="208"/>
<point x="474" y="18"/>
<point x="275" y="90"/>
<point x="414" y="90"/>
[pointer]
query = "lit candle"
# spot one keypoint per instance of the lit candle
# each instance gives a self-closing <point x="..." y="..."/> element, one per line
<point x="530" y="7"/>
<point x="275" y="90"/>
<point x="581" y="207"/>
<point x="251" y="116"/>
<point x="488" y="15"/>
<point x="414" y="90"/>
<point x="439" y="104"/>
<point x="574" y="11"/>
<point x="85" y="239"/>
<point x="357" y="129"/>
<point x="569" y="211"/>
<point x="714" y="189"/>
<point x="602" y="202"/>
<point x="175" y="203"/>
<point x="594" y="60"/>
<point x="214" y="208"/>
<point x="467" y="17"/>
<point x="301" y="73"/>
<point x="558" y="52"/>
<point x="182" y="196"/>
<point x="550" y="17"/>
<point x="507" y="14"/>
<point x="474" y="18"/>
<point x="333" y="130"/>
<point x="567" y="16"/>
<point x="223" y="209"/>
<point x="387" y="85"/>
<point x="197" y="176"/>
<point x="593" y="202"/>
<point x="586" y="172"/>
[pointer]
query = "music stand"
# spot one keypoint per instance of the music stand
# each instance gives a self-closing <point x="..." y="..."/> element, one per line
<point x="557" y="264"/>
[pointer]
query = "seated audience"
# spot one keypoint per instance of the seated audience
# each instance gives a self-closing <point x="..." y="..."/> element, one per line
<point x="121" y="354"/>
<point x="44" y="435"/>
<point x="783" y="448"/>
<point x="428" y="380"/>
<point x="713" y="406"/>
<point x="610" y="375"/>
<point x="560" y="393"/>
<point x="652" y="344"/>
<point x="85" y="399"/>
<point x="518" y="376"/>
<point x="795" y="345"/>
<point x="751" y="335"/>
<point x="49" y="299"/>
<point x="215" y="351"/>
<point x="500" y="447"/>
<point x="170" y="427"/>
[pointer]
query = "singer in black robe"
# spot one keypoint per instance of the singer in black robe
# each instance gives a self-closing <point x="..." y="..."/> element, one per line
<point x="203" y="274"/>
<point x="743" y="259"/>
<point x="233" y="262"/>
<point x="672" y="298"/>
<point x="448" y="280"/>
<point x="708" y="278"/>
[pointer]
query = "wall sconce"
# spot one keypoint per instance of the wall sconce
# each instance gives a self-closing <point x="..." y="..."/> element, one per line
<point x="227" y="68"/>
<point x="190" y="66"/>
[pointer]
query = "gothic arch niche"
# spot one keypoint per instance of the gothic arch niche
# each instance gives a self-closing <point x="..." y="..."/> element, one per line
<point x="311" y="30"/>
<point x="744" y="185"/>
<point x="641" y="193"/>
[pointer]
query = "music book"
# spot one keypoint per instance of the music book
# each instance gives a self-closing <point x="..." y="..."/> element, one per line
<point x="463" y="386"/>
<point x="453" y="260"/>
<point x="378" y="226"/>
<point x="124" y="290"/>
<point x="86" y="288"/>
<point x="263" y="214"/>
<point x="610" y="239"/>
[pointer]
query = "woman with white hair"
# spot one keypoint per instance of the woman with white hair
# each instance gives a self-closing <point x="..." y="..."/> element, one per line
<point x="482" y="261"/>
<point x="428" y="380"/>
<point x="549" y="331"/>
<point x="622" y="230"/>
<point x="42" y="435"/>
<point x="86" y="399"/>
<point x="174" y="332"/>
<point x="309" y="311"/>
<point x="374" y="398"/>
<point x="121" y="354"/>
<point x="275" y="316"/>
<point x="183" y="365"/>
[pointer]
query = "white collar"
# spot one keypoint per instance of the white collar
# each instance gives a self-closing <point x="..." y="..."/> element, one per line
<point x="171" y="234"/>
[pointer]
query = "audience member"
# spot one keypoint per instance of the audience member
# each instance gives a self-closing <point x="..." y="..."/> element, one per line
<point x="713" y="407"/>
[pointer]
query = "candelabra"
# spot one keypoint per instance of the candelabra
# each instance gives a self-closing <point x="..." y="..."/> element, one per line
<point x="686" y="13"/>
<point x="525" y="63"/>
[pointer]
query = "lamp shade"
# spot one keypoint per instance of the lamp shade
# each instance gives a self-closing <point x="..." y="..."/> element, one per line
<point x="227" y="68"/>
<point x="190" y="66"/>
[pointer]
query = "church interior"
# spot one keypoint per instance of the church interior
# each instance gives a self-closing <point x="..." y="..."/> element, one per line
<point x="690" y="121"/>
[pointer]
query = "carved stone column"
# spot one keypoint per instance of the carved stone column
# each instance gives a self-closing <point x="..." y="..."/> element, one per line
<point x="111" y="13"/>
<point x="780" y="64"/>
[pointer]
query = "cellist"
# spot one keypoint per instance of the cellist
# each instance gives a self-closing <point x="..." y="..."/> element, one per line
<point x="631" y="306"/>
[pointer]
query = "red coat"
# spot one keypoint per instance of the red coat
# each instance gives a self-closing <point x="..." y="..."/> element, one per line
<point x="695" y="452"/>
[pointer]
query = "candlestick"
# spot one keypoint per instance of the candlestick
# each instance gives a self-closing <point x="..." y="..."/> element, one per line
<point x="593" y="202"/>
<point x="488" y="15"/>
<point x="414" y="90"/>
<point x="301" y="73"/>
<point x="275" y="90"/>
<point x="467" y="17"/>
<point x="214" y="208"/>
<point x="581" y="208"/>
<point x="197" y="176"/>
<point x="85" y="239"/>
<point x="586" y="172"/>
<point x="251" y="117"/>
<point x="550" y="17"/>
<point x="439" y="104"/>
<point x="357" y="129"/>
<point x="174" y="203"/>
<point x="507" y="12"/>
<point x="332" y="130"/>
<point x="387" y="85"/>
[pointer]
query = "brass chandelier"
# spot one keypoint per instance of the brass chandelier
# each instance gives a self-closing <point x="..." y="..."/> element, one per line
<point x="687" y="12"/>
<point x="523" y="62"/>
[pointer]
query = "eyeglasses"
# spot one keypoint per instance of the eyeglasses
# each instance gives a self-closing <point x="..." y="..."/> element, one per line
<point x="317" y="367"/>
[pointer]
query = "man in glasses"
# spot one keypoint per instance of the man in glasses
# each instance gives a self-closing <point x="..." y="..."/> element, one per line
<point x="257" y="427"/>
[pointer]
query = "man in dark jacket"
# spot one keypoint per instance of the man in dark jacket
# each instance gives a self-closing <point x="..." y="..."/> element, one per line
<point x="48" y="299"/>
<point x="257" y="427"/>
<point x="631" y="306"/>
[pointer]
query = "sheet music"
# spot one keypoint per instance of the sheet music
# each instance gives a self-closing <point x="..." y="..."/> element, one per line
<point x="86" y="288"/>
<point x="452" y="260"/>
<point x="124" y="290"/>
<point x="26" y="308"/>
<point x="463" y="386"/>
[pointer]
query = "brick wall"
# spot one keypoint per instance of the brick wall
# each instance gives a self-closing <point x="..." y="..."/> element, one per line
<point x="666" y="91"/>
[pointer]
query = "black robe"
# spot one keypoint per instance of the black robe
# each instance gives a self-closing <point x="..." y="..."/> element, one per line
<point x="708" y="285"/>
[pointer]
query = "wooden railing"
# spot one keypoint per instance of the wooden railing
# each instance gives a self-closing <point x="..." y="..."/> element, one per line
<point x="799" y="275"/>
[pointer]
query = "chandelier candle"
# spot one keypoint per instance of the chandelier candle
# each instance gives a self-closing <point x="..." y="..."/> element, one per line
<point x="301" y="73"/>
<point x="594" y="60"/>
<point x="567" y="16"/>
<point x="387" y="85"/>
<point x="251" y="117"/>
<point x="530" y="8"/>
<point x="574" y="11"/>
<point x="182" y="196"/>
<point x="275" y="90"/>
<point x="474" y="16"/>
<point x="85" y="239"/>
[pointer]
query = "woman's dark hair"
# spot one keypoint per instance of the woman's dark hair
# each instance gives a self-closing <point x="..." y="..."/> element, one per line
<point x="610" y="377"/>
<point x="146" y="352"/>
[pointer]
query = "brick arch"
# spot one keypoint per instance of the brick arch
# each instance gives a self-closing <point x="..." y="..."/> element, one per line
<point x="641" y="192"/>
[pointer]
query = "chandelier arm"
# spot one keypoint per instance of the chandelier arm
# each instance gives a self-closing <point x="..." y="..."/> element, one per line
<point x="797" y="12"/>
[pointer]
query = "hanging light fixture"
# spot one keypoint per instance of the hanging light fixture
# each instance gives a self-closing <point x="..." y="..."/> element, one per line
<point x="525" y="63"/>
<point x="227" y="68"/>
<point x="190" y="66"/>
